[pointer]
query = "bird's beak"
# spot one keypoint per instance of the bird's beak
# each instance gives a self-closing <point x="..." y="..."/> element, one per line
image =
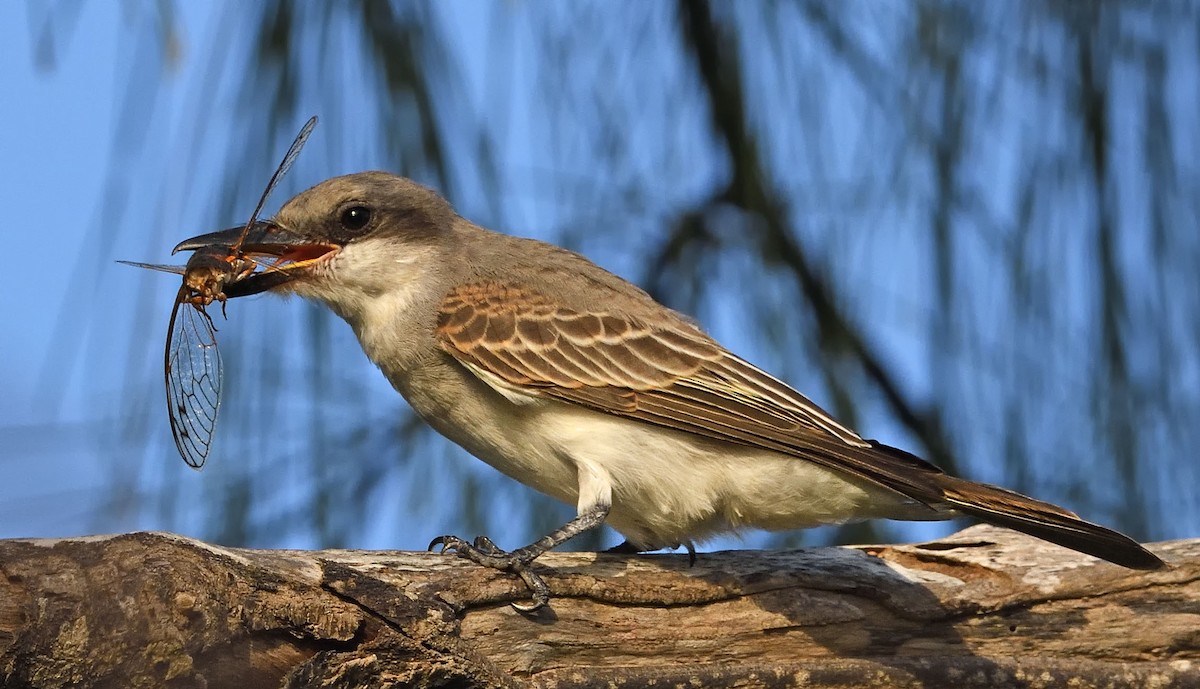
<point x="289" y="253"/>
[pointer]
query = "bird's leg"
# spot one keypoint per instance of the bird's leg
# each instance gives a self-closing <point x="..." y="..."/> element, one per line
<point x="484" y="552"/>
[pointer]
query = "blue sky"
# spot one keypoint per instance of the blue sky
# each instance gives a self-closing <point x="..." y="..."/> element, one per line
<point x="55" y="137"/>
<point x="83" y="332"/>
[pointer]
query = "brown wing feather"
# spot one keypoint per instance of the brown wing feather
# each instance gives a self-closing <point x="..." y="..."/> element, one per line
<point x="540" y="346"/>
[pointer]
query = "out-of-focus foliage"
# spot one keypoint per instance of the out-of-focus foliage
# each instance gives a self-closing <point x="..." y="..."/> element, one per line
<point x="968" y="228"/>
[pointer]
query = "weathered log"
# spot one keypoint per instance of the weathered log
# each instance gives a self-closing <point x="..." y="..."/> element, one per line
<point x="983" y="608"/>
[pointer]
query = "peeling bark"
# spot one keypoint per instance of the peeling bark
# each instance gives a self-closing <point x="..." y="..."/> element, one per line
<point x="983" y="608"/>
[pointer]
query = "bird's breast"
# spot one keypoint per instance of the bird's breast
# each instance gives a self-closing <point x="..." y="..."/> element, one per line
<point x="506" y="435"/>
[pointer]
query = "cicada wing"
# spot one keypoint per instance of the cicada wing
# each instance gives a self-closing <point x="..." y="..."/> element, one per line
<point x="192" y="369"/>
<point x="284" y="165"/>
<point x="176" y="270"/>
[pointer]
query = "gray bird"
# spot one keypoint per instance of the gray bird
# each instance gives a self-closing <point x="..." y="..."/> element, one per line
<point x="575" y="382"/>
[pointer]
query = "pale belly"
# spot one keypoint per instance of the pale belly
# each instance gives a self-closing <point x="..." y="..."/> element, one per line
<point x="666" y="487"/>
<point x="669" y="487"/>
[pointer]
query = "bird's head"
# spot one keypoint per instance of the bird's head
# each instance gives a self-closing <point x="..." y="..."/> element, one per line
<point x="346" y="241"/>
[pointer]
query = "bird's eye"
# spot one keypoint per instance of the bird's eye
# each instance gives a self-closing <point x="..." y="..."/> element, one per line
<point x="355" y="217"/>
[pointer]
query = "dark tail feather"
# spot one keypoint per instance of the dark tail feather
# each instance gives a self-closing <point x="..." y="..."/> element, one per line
<point x="1045" y="521"/>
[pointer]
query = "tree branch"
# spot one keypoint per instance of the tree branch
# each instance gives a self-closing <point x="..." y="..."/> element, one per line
<point x="985" y="607"/>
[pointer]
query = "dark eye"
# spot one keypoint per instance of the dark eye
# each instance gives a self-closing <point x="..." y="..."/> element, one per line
<point x="355" y="217"/>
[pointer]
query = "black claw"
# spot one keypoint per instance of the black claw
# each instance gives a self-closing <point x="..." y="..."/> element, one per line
<point x="451" y="543"/>
<point x="540" y="592"/>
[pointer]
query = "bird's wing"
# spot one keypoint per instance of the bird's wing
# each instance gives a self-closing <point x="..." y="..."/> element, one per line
<point x="666" y="373"/>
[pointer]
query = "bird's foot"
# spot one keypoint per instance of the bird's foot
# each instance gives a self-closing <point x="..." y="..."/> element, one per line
<point x="486" y="553"/>
<point x="627" y="548"/>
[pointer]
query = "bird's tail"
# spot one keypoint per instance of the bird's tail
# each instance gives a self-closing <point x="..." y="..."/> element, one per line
<point x="1041" y="519"/>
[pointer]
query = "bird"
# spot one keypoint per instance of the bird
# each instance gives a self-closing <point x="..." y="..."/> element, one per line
<point x="577" y="383"/>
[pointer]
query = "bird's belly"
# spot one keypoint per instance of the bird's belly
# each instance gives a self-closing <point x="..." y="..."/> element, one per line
<point x="666" y="486"/>
<point x="669" y="486"/>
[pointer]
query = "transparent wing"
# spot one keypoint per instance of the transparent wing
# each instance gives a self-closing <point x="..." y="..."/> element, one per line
<point x="176" y="270"/>
<point x="192" y="368"/>
<point x="284" y="165"/>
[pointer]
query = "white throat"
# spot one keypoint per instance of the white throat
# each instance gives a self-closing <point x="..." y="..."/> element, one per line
<point x="375" y="285"/>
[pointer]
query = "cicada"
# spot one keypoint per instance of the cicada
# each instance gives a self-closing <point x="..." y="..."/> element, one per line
<point x="191" y="360"/>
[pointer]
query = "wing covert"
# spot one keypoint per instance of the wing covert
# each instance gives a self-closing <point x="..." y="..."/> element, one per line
<point x="530" y="342"/>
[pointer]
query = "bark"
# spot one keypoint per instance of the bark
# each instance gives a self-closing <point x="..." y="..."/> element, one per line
<point x="983" y="608"/>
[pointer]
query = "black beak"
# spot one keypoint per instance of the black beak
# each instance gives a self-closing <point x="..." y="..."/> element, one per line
<point x="292" y="250"/>
<point x="263" y="237"/>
